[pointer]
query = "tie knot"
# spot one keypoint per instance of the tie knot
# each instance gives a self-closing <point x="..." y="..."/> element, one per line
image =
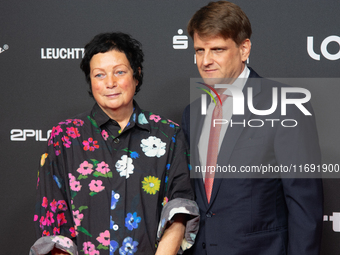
<point x="223" y="98"/>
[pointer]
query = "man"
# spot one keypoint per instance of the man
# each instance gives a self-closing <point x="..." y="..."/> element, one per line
<point x="250" y="216"/>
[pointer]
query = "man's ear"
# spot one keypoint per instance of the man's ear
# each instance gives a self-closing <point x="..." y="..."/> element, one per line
<point x="245" y="48"/>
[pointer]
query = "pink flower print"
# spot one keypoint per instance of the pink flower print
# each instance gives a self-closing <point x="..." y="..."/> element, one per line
<point x="173" y="122"/>
<point x="46" y="233"/>
<point x="77" y="217"/>
<point x="56" y="148"/>
<point x="103" y="168"/>
<point x="73" y="232"/>
<point x="105" y="135"/>
<point x="56" y="231"/>
<point x="68" y="121"/>
<point x="35" y="217"/>
<point x="61" y="219"/>
<point x="62" y="205"/>
<point x="71" y="177"/>
<point x="94" y="252"/>
<point x="90" y="144"/>
<point x="73" y="132"/>
<point x="104" y="238"/>
<point x="85" y="168"/>
<point x="88" y="247"/>
<point x="42" y="222"/>
<point x="55" y="131"/>
<point x="44" y="202"/>
<point x="53" y="205"/>
<point x="49" y="218"/>
<point x="96" y="186"/>
<point x="66" y="141"/>
<point x="75" y="186"/>
<point x="78" y="122"/>
<point x="154" y="117"/>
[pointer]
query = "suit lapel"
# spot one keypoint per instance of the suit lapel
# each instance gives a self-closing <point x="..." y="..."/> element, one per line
<point x="196" y="125"/>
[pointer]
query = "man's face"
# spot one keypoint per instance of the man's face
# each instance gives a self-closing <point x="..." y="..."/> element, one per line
<point x="220" y="60"/>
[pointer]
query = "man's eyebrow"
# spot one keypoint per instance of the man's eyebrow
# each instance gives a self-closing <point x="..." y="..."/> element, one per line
<point x="219" y="47"/>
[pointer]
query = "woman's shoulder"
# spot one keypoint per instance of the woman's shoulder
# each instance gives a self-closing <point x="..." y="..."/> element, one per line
<point x="159" y="121"/>
<point x="69" y="125"/>
<point x="77" y="120"/>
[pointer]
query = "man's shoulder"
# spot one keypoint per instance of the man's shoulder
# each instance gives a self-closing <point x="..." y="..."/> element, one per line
<point x="267" y="87"/>
<point x="271" y="82"/>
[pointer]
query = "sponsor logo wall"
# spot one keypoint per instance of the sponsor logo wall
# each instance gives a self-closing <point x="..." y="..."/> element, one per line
<point x="323" y="48"/>
<point x="41" y="46"/>
<point x="335" y="218"/>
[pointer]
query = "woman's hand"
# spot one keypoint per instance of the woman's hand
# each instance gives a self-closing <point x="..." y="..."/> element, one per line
<point x="173" y="236"/>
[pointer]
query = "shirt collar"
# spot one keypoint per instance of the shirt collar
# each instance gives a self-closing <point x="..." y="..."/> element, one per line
<point x="137" y="118"/>
<point x="240" y="81"/>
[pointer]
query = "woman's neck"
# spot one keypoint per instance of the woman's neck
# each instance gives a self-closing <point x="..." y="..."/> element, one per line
<point x="121" y="115"/>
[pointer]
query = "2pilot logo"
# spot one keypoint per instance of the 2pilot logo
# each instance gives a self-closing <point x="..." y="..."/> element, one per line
<point x="23" y="134"/>
<point x="4" y="48"/>
<point x="238" y="105"/>
<point x="323" y="48"/>
<point x="335" y="218"/>
<point x="180" y="42"/>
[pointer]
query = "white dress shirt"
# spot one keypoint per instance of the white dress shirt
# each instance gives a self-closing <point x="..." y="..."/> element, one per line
<point x="227" y="108"/>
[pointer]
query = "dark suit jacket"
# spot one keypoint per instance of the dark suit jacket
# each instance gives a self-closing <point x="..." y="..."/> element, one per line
<point x="254" y="216"/>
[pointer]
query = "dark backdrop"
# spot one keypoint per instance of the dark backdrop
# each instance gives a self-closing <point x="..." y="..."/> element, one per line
<point x="39" y="89"/>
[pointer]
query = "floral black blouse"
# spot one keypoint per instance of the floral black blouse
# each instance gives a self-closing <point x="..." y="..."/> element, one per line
<point x="102" y="190"/>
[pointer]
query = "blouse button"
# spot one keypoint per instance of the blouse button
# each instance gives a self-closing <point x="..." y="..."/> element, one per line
<point x="116" y="140"/>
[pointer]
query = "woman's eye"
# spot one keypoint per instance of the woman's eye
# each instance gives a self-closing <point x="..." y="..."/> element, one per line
<point x="99" y="75"/>
<point x="120" y="72"/>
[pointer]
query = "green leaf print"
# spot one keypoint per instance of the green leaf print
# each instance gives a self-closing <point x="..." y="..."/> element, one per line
<point x="93" y="122"/>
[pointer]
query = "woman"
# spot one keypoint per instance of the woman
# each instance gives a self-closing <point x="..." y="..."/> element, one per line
<point x="115" y="180"/>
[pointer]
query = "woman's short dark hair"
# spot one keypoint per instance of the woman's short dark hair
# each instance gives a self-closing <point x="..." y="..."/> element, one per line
<point x="118" y="41"/>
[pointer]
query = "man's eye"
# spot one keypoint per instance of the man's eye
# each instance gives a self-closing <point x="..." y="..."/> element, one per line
<point x="218" y="50"/>
<point x="199" y="50"/>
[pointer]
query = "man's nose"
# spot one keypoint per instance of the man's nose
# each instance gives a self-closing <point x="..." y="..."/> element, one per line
<point x="207" y="58"/>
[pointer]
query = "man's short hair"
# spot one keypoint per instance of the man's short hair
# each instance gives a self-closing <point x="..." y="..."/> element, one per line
<point x="220" y="18"/>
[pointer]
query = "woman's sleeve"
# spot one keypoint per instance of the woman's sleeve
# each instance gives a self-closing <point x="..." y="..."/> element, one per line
<point x="179" y="192"/>
<point x="53" y="212"/>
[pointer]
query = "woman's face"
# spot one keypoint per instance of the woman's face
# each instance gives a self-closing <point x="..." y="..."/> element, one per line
<point x="112" y="82"/>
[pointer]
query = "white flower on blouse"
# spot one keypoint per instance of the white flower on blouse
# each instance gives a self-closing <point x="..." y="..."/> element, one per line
<point x="153" y="147"/>
<point x="124" y="166"/>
